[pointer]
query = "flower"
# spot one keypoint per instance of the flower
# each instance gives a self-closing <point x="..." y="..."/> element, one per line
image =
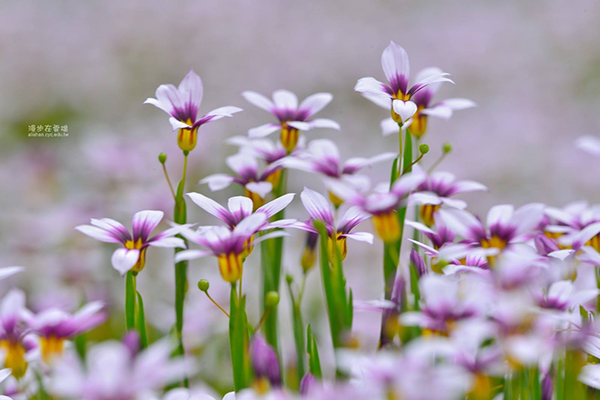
<point x="182" y="104"/>
<point x="256" y="185"/>
<point x="589" y="144"/>
<point x="112" y="371"/>
<point x="265" y="149"/>
<point x="54" y="326"/>
<point x="319" y="209"/>
<point x="505" y="225"/>
<point x="382" y="205"/>
<point x="292" y="118"/>
<point x="396" y="95"/>
<point x="437" y="189"/>
<point x="229" y="246"/>
<point x="13" y="329"/>
<point x="264" y="363"/>
<point x="322" y="156"/>
<point x="241" y="207"/>
<point x="133" y="255"/>
<point x="422" y="99"/>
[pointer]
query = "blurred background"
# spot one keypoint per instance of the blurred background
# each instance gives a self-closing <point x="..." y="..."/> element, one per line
<point x="532" y="67"/>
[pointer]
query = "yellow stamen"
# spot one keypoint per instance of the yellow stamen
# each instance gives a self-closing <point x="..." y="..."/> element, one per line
<point x="261" y="386"/>
<point x="341" y="245"/>
<point x="230" y="266"/>
<point x="257" y="201"/>
<point x="427" y="211"/>
<point x="141" y="262"/>
<point x="387" y="226"/>
<point x="15" y="357"/>
<point x="419" y="124"/>
<point x="289" y="137"/>
<point x="274" y="179"/>
<point x="51" y="347"/>
<point x="309" y="258"/>
<point x="187" y="137"/>
<point x="336" y="201"/>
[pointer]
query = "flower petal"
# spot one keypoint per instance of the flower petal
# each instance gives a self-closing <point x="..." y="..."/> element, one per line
<point x="124" y="259"/>
<point x="144" y="222"/>
<point x="317" y="206"/>
<point x="258" y="100"/>
<point x="260" y="188"/>
<point x="315" y="103"/>
<point x="405" y="109"/>
<point x="188" y="255"/>
<point x="210" y="206"/>
<point x="274" y="206"/>
<point x="263" y="130"/>
<point x="373" y="90"/>
<point x="394" y="62"/>
<point x="285" y="100"/>
<point x="217" y="181"/>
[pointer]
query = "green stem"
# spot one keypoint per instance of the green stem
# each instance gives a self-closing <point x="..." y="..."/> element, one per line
<point x="298" y="326"/>
<point x="180" y="217"/>
<point x="238" y="340"/>
<point x="140" y="321"/>
<point x="271" y="255"/>
<point x="130" y="294"/>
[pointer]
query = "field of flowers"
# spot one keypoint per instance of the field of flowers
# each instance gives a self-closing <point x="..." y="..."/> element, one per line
<point x="287" y="260"/>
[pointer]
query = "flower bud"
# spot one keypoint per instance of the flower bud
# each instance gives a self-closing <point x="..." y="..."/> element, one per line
<point x="446" y="148"/>
<point x="309" y="255"/>
<point x="264" y="361"/>
<point x="289" y="279"/>
<point x="131" y="340"/>
<point x="416" y="261"/>
<point x="272" y="299"/>
<point x="307" y="383"/>
<point x="162" y="158"/>
<point x="424" y="148"/>
<point x="203" y="285"/>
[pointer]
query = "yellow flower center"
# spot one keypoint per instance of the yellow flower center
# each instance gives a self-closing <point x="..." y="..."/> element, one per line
<point x="257" y="201"/>
<point x="336" y="201"/>
<point x="141" y="262"/>
<point x="387" y="226"/>
<point x="289" y="137"/>
<point x="230" y="266"/>
<point x="419" y="124"/>
<point x="427" y="211"/>
<point x="51" y="347"/>
<point x="187" y="137"/>
<point x="309" y="257"/>
<point x="341" y="245"/>
<point x="15" y="357"/>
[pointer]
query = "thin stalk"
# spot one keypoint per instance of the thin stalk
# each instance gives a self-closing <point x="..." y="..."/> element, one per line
<point x="130" y="295"/>
<point x="180" y="217"/>
<point x="164" y="167"/>
<point x="271" y="255"/>
<point x="238" y="340"/>
<point x="298" y="327"/>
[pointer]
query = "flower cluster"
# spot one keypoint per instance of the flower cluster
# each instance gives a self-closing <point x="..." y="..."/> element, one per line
<point x="503" y="306"/>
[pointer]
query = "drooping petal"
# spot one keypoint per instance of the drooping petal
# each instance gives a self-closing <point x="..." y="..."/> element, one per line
<point x="315" y="103"/>
<point x="405" y="109"/>
<point x="300" y="125"/>
<point x="177" y="124"/>
<point x="460" y="222"/>
<point x="458" y="103"/>
<point x="258" y="100"/>
<point x="124" y="259"/>
<point x="285" y="100"/>
<point x="352" y="217"/>
<point x="260" y="188"/>
<point x="210" y="206"/>
<point x="317" y="206"/>
<point x="218" y="181"/>
<point x="114" y="227"/>
<point x="144" y="222"/>
<point x="274" y="206"/>
<point x="263" y="130"/>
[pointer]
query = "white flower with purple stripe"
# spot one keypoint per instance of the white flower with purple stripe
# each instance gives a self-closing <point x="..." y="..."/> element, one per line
<point x="319" y="209"/>
<point x="425" y="107"/>
<point x="230" y="247"/>
<point x="132" y="256"/>
<point x="183" y="104"/>
<point x="257" y="185"/>
<point x="291" y="117"/>
<point x="240" y="207"/>
<point x="396" y="95"/>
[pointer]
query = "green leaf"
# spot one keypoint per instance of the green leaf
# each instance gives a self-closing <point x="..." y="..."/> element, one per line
<point x="140" y="321"/>
<point x="314" y="362"/>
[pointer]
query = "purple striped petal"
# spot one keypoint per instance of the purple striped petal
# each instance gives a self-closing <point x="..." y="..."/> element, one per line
<point x="144" y="222"/>
<point x="317" y="206"/>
